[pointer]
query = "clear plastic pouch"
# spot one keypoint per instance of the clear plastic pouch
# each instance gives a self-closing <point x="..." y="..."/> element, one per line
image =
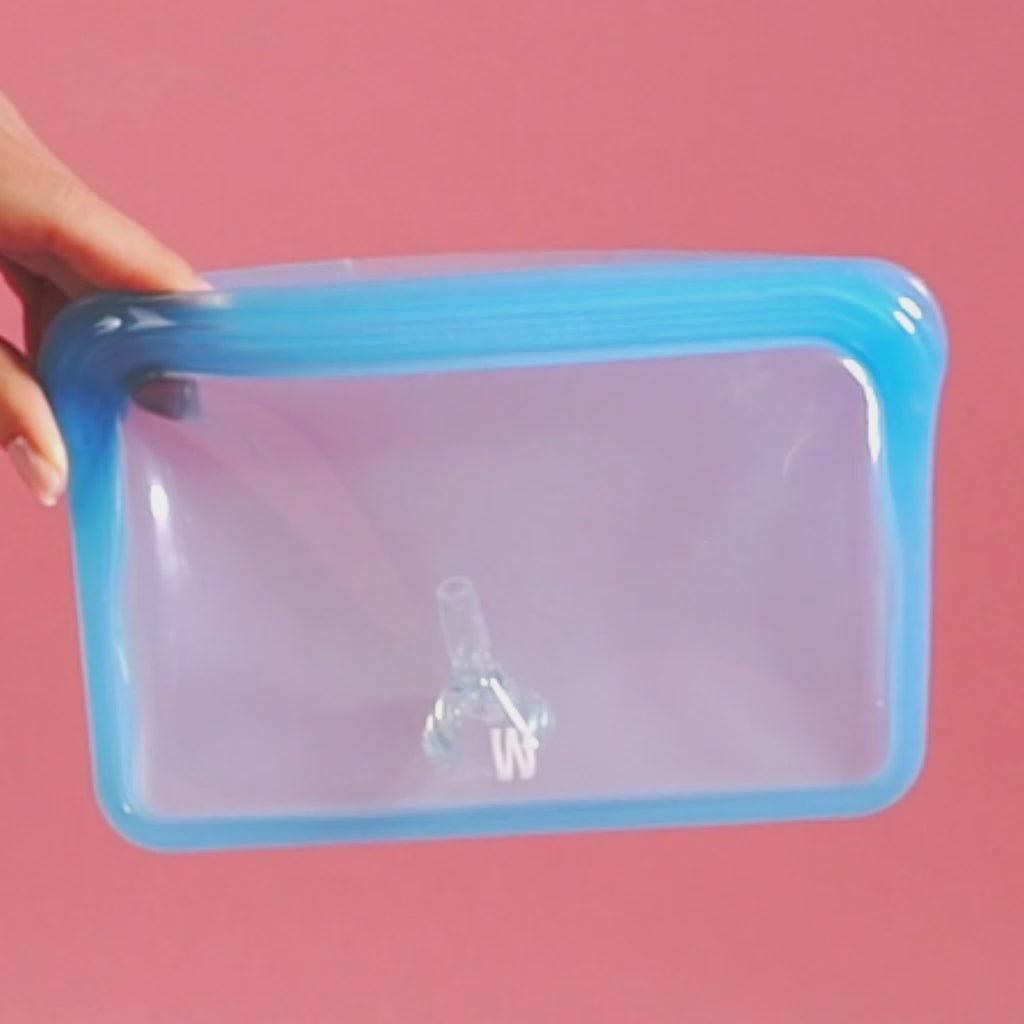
<point x="462" y="547"/>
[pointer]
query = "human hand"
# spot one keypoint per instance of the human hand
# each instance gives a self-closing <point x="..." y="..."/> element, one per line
<point x="58" y="241"/>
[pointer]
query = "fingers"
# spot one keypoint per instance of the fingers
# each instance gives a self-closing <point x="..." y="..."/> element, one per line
<point x="28" y="430"/>
<point x="60" y="240"/>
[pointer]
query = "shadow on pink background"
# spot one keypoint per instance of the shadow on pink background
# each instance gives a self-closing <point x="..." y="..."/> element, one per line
<point x="256" y="132"/>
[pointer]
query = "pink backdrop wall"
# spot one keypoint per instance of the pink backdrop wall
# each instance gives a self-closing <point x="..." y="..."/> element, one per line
<point x="259" y="131"/>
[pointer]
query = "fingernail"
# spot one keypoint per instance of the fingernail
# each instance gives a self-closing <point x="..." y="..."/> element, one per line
<point x="174" y="398"/>
<point x="42" y="477"/>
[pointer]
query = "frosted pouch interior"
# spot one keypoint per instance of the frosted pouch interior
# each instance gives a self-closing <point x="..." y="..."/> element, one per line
<point x="414" y="549"/>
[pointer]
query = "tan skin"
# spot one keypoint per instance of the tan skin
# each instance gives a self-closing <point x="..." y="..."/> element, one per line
<point x="58" y="241"/>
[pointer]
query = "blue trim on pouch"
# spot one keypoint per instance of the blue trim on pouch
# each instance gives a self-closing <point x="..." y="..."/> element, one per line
<point x="878" y="315"/>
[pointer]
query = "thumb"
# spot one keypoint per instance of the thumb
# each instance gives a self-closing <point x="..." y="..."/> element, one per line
<point x="28" y="430"/>
<point x="106" y="247"/>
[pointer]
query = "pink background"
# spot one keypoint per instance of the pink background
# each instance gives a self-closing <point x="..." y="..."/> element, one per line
<point x="259" y="131"/>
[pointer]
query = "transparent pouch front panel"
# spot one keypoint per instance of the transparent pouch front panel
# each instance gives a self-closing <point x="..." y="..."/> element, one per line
<point x="642" y="578"/>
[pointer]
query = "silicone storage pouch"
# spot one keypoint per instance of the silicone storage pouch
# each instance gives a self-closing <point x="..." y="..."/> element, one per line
<point x="422" y="549"/>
